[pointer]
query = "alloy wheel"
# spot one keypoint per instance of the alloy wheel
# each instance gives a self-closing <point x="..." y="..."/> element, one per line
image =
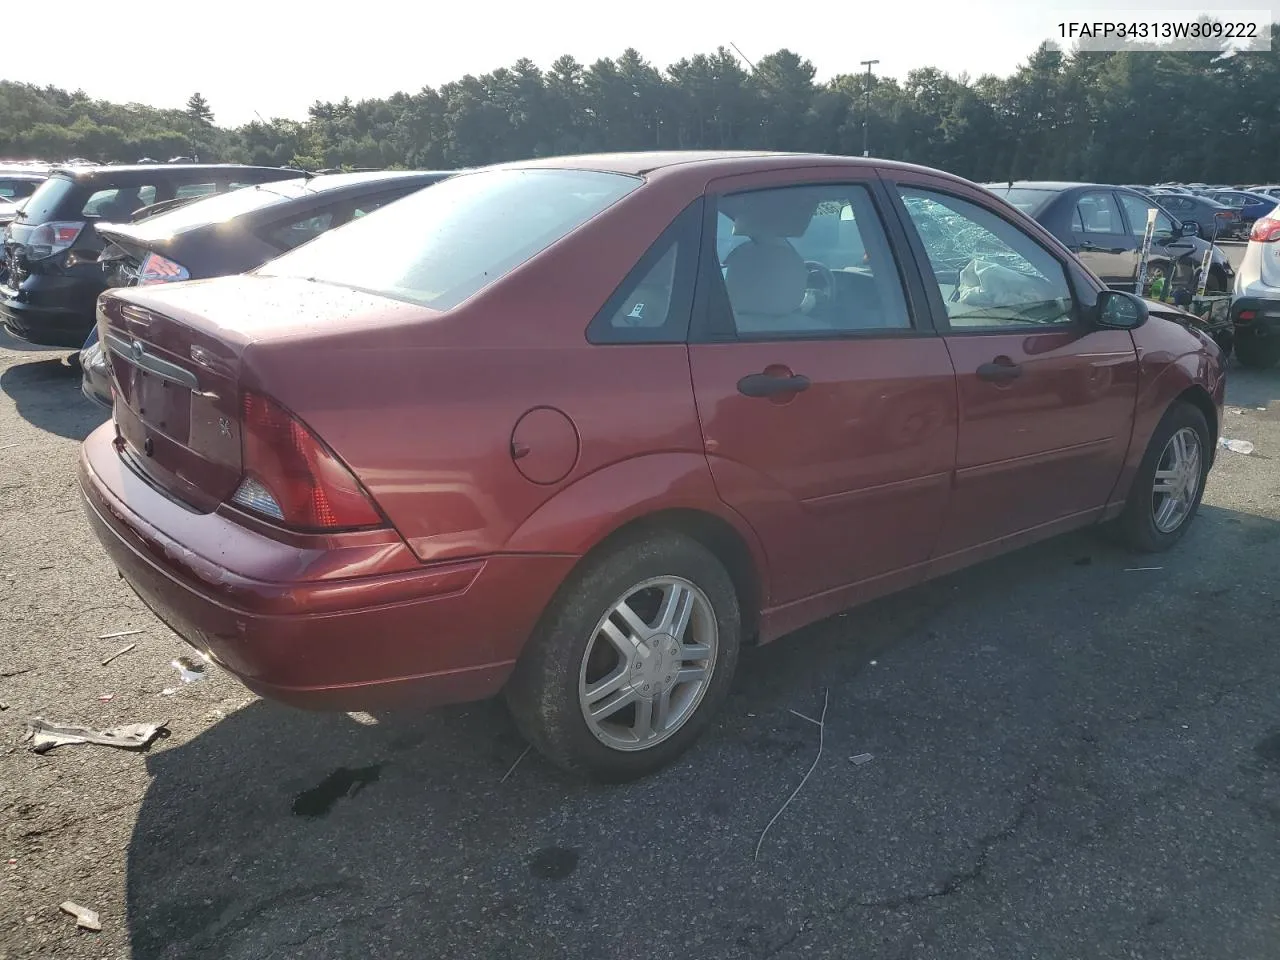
<point x="1177" y="480"/>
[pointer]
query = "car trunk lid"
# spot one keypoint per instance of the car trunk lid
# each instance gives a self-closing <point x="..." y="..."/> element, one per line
<point x="177" y="357"/>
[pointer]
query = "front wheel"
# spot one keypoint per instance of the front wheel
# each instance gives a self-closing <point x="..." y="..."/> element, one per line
<point x="631" y="660"/>
<point x="1170" y="481"/>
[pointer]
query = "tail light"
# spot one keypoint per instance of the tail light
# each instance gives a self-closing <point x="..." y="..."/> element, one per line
<point x="50" y="238"/>
<point x="1265" y="230"/>
<point x="291" y="477"/>
<point x="1246" y="316"/>
<point x="158" y="269"/>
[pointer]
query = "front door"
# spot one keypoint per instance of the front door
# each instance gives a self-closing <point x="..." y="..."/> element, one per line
<point x="827" y="402"/>
<point x="1046" y="402"/>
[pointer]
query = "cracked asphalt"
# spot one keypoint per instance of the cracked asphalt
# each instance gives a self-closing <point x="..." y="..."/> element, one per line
<point x="1070" y="758"/>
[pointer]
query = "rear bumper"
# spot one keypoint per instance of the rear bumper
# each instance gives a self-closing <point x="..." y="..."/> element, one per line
<point x="1266" y="315"/>
<point x="95" y="376"/>
<point x="293" y="623"/>
<point x="55" y="318"/>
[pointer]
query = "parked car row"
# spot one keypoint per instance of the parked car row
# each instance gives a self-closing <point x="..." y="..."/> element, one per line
<point x="1105" y="225"/>
<point x="576" y="430"/>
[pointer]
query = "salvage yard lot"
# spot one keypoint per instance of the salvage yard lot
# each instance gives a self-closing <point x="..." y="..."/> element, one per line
<point x="1070" y="757"/>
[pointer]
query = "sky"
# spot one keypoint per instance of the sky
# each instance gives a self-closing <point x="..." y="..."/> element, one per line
<point x="272" y="59"/>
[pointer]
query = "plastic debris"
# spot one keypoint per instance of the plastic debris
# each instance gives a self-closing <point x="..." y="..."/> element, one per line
<point x="189" y="670"/>
<point x="121" y="633"/>
<point x="107" y="697"/>
<point x="44" y="736"/>
<point x="168" y="691"/>
<point x="1141" y="569"/>
<point x="121" y="652"/>
<point x="860" y="759"/>
<point x="86" y="919"/>
<point x="1236" y="446"/>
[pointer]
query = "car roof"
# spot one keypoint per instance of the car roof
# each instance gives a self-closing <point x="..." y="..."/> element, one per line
<point x="108" y="172"/>
<point x="1053" y="185"/>
<point x="338" y="181"/>
<point x="719" y="163"/>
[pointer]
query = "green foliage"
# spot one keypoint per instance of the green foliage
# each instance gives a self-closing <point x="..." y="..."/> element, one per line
<point x="1112" y="117"/>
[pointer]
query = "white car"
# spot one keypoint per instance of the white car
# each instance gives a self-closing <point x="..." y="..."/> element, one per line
<point x="1255" y="306"/>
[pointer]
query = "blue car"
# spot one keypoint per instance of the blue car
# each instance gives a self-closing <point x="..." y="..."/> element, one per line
<point x="1251" y="206"/>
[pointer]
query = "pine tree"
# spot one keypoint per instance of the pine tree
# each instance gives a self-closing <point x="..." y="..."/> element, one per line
<point x="198" y="109"/>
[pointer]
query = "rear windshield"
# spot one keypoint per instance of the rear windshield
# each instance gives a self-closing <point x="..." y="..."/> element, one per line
<point x="440" y="246"/>
<point x="46" y="203"/>
<point x="1028" y="200"/>
<point x="224" y="206"/>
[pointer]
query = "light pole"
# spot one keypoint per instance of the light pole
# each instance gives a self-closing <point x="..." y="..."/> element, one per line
<point x="866" y="116"/>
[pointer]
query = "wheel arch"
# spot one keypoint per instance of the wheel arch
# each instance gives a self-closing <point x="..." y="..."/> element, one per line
<point x="1198" y="397"/>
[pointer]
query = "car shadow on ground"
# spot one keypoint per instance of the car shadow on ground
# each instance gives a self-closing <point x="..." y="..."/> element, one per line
<point x="1032" y="782"/>
<point x="47" y="395"/>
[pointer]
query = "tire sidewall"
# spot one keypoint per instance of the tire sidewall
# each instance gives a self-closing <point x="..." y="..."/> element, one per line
<point x="544" y="694"/>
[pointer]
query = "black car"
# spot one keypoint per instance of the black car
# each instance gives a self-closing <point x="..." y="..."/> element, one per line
<point x="1104" y="227"/>
<point x="52" y="277"/>
<point x="234" y="233"/>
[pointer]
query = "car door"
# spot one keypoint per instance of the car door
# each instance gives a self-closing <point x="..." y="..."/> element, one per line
<point x="1046" y="402"/>
<point x="827" y="402"/>
<point x="1100" y="240"/>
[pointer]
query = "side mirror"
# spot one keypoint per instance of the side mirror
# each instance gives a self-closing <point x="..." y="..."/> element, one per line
<point x="1117" y="310"/>
<point x="1191" y="229"/>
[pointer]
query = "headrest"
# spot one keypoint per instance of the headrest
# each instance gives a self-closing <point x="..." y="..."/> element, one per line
<point x="765" y="277"/>
<point x="770" y="213"/>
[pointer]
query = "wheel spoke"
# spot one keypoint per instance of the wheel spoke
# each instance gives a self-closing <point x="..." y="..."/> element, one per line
<point x="643" y="727"/>
<point x="602" y="688"/>
<point x="639" y="629"/>
<point x="629" y="648"/>
<point x="677" y="607"/>
<point x="661" y="711"/>
<point x="1169" y="485"/>
<point x="1168" y="510"/>
<point x="691" y="674"/>
<point x="694" y="652"/>
<point x="607" y="708"/>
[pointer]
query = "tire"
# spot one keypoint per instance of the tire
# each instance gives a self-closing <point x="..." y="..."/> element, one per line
<point x="1140" y="526"/>
<point x="569" y="659"/>
<point x="1258" y="353"/>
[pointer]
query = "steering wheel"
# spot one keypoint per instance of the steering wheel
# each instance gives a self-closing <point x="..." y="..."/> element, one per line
<point x="820" y="289"/>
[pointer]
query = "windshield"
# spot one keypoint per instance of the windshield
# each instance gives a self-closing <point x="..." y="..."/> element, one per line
<point x="44" y="203"/>
<point x="440" y="246"/>
<point x="1028" y="200"/>
<point x="224" y="206"/>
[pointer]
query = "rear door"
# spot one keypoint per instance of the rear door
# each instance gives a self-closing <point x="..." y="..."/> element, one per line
<point x="1046" y="402"/>
<point x="1101" y="241"/>
<point x="827" y="402"/>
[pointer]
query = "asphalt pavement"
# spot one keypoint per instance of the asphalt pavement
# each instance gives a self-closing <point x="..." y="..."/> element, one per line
<point x="1074" y="752"/>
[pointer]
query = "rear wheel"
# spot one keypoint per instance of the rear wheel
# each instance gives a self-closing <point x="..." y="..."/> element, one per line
<point x="632" y="659"/>
<point x="1260" y="353"/>
<point x="1170" y="481"/>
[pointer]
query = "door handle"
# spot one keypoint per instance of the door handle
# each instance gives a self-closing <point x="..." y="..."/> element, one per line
<point x="1087" y="245"/>
<point x="999" y="372"/>
<point x="766" y="385"/>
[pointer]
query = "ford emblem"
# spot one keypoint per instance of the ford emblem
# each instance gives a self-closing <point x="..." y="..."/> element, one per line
<point x="137" y="349"/>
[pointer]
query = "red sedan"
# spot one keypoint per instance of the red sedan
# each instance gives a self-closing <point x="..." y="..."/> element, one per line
<point x="576" y="429"/>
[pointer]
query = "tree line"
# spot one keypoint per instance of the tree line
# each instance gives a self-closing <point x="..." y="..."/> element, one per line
<point x="1131" y="117"/>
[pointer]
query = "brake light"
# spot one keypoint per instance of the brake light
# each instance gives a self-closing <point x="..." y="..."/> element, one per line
<point x="290" y="475"/>
<point x="1246" y="316"/>
<point x="50" y="238"/>
<point x="158" y="269"/>
<point x="1265" y="230"/>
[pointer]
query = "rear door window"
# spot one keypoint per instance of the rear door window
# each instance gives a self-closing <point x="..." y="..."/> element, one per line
<point x="1097" y="213"/>
<point x="194" y="190"/>
<point x="118" y="203"/>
